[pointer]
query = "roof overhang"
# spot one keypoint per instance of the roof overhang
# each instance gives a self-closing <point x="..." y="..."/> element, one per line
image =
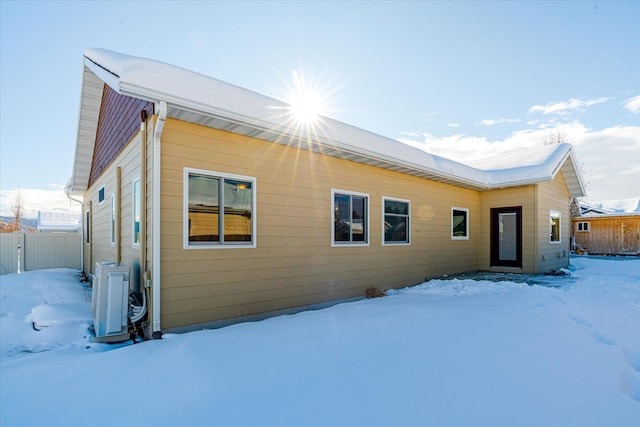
<point x="90" y="99"/>
<point x="219" y="105"/>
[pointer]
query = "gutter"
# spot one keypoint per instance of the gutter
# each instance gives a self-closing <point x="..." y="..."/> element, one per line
<point x="279" y="130"/>
<point x="155" y="218"/>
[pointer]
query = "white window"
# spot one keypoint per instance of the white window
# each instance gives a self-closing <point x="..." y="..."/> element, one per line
<point x="350" y="218"/>
<point x="219" y="210"/>
<point x="135" y="219"/>
<point x="554" y="224"/>
<point x="112" y="224"/>
<point x="396" y="221"/>
<point x="583" y="226"/>
<point x="459" y="223"/>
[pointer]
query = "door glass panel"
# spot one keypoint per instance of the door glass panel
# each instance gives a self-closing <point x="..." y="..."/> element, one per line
<point x="508" y="237"/>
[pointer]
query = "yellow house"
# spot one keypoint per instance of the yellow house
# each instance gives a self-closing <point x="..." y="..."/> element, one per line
<point x="226" y="208"/>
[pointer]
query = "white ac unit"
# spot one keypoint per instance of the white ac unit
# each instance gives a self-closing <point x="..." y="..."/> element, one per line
<point x="109" y="304"/>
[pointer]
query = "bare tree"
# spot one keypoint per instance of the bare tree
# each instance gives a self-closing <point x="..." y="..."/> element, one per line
<point x="17" y="208"/>
<point x="555" y="137"/>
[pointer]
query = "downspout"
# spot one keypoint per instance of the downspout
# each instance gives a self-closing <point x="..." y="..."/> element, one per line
<point x="536" y="233"/>
<point x="142" y="233"/>
<point x="89" y="244"/>
<point x="155" y="213"/>
<point x="68" y="194"/>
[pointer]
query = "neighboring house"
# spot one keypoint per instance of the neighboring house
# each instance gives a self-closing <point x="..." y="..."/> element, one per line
<point x="608" y="228"/>
<point x="226" y="208"/>
<point x="58" y="222"/>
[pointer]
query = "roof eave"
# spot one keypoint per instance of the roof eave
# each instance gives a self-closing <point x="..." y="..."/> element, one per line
<point x="284" y="135"/>
<point x="90" y="99"/>
<point x="572" y="174"/>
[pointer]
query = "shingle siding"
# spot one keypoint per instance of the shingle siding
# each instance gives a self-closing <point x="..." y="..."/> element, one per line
<point x="119" y="121"/>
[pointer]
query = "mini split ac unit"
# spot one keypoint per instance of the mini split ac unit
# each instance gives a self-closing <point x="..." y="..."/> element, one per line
<point x="109" y="303"/>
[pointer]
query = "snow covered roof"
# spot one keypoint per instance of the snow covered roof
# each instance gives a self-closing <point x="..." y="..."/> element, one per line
<point x="58" y="221"/>
<point x="203" y="100"/>
<point x="621" y="207"/>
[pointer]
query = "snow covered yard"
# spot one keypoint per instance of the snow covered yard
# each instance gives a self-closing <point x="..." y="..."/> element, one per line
<point x="444" y="353"/>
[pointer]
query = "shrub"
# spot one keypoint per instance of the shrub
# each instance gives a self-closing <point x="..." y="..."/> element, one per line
<point x="375" y="293"/>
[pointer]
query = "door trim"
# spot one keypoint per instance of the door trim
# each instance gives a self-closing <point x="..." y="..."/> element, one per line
<point x="495" y="237"/>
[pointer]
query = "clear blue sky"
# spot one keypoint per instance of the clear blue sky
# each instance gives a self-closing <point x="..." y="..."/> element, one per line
<point x="435" y="72"/>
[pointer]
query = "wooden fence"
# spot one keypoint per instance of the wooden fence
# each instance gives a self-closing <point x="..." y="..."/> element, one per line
<point x="21" y="251"/>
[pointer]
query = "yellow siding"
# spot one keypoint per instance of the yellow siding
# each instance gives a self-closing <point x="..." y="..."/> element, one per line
<point x="553" y="195"/>
<point x="294" y="263"/>
<point x="508" y="197"/>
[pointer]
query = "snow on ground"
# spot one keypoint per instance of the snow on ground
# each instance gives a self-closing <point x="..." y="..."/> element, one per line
<point x="445" y="353"/>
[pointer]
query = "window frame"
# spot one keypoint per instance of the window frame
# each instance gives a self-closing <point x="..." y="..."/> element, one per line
<point x="466" y="211"/>
<point x="101" y="195"/>
<point x="583" y="227"/>
<point x="136" y="207"/>
<point x="553" y="213"/>
<point x="408" y="217"/>
<point x="87" y="221"/>
<point x="350" y="243"/>
<point x="185" y="210"/>
<point x="113" y="219"/>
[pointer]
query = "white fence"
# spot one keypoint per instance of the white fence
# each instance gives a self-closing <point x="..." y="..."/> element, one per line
<point x="21" y="251"/>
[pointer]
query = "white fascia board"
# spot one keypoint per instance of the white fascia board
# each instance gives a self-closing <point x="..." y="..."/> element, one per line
<point x="140" y="92"/>
<point x="574" y="163"/>
<point x="90" y="97"/>
<point x="110" y="78"/>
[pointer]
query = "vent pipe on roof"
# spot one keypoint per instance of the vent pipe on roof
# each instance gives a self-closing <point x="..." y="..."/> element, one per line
<point x="155" y="217"/>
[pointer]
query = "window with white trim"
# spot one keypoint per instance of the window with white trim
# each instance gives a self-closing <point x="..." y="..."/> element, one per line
<point x="459" y="223"/>
<point x="583" y="226"/>
<point x="350" y="218"/>
<point x="219" y="210"/>
<point x="136" y="212"/>
<point x="396" y="221"/>
<point x="554" y="224"/>
<point x="112" y="223"/>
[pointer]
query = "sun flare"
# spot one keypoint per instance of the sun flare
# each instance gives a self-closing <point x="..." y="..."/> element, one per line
<point x="306" y="104"/>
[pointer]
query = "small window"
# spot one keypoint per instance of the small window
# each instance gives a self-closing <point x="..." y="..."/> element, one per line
<point x="136" y="212"/>
<point x="113" y="219"/>
<point x="554" y="227"/>
<point x="396" y="221"/>
<point x="459" y="224"/>
<point x="87" y="227"/>
<point x="583" y="226"/>
<point x="101" y="195"/>
<point x="219" y="210"/>
<point x="350" y="217"/>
